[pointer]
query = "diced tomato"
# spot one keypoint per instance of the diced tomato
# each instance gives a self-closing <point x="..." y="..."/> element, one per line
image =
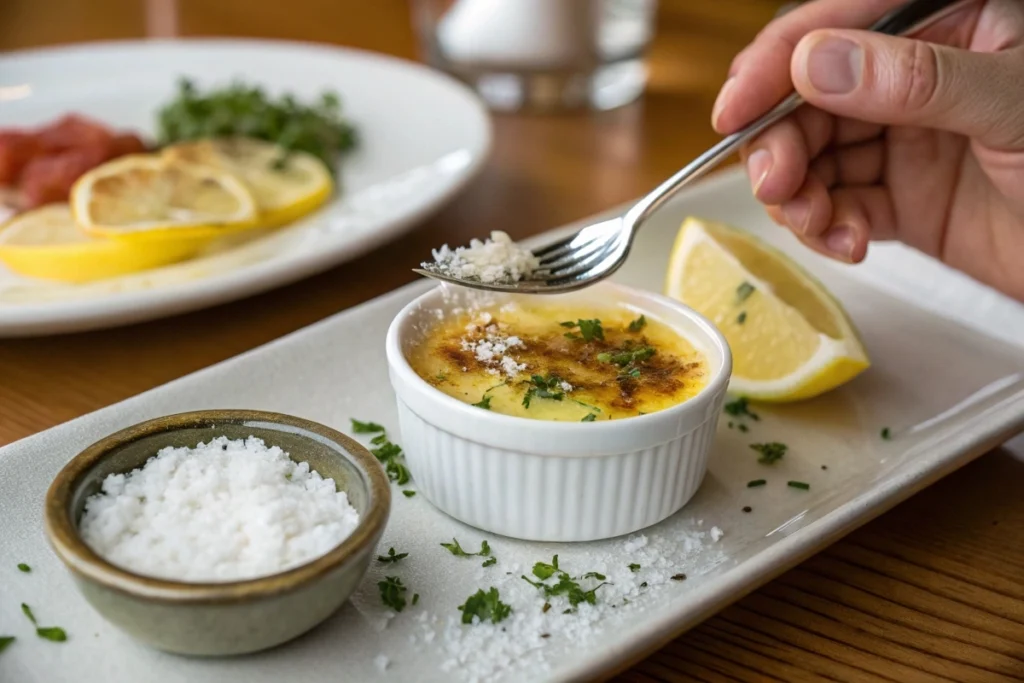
<point x="49" y="178"/>
<point x="16" y="149"/>
<point x="126" y="143"/>
<point x="73" y="131"/>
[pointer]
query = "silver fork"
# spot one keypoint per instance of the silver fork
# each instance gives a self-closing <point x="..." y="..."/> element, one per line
<point x="600" y="249"/>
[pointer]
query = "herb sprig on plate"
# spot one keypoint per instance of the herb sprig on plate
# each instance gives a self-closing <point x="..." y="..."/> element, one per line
<point x="565" y="584"/>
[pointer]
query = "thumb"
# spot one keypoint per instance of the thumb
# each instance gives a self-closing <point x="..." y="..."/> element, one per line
<point x="901" y="81"/>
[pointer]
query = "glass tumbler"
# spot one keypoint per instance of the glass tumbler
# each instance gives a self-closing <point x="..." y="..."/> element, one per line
<point x="540" y="54"/>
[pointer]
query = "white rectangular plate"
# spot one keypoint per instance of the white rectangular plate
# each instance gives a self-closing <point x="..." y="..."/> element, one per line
<point x="946" y="391"/>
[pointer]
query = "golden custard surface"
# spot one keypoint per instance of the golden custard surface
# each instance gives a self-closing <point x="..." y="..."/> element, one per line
<point x="528" y="361"/>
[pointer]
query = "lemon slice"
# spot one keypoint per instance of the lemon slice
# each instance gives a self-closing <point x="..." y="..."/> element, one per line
<point x="286" y="185"/>
<point x="46" y="243"/>
<point x="144" y="196"/>
<point x="790" y="338"/>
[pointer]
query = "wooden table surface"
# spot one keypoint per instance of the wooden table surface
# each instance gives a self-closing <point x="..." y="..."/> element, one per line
<point x="931" y="590"/>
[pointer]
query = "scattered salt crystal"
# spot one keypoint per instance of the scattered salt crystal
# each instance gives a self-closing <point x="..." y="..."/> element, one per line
<point x="716" y="534"/>
<point x="496" y="260"/>
<point x="223" y="511"/>
<point x="566" y="387"/>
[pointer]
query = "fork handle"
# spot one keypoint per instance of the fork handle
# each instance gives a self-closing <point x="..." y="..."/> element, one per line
<point x="909" y="18"/>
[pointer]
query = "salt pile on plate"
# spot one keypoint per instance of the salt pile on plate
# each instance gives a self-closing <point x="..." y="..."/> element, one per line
<point x="226" y="510"/>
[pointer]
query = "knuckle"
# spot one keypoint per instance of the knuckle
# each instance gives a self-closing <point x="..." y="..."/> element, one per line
<point x="915" y="77"/>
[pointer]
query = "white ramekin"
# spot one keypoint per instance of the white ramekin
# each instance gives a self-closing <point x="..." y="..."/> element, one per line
<point x="556" y="481"/>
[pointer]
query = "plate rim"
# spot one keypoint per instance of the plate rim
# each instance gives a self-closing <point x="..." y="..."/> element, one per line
<point x="82" y="315"/>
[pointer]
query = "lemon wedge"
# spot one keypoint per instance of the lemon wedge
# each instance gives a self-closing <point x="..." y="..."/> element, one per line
<point x="145" y="196"/>
<point x="286" y="185"/>
<point x="46" y="243"/>
<point x="790" y="338"/>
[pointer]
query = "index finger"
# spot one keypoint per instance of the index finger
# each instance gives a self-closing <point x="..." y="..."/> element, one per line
<point x="759" y="77"/>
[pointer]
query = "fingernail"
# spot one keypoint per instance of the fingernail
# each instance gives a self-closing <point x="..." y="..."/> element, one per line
<point x="797" y="212"/>
<point x="758" y="165"/>
<point x="723" y="98"/>
<point x="834" y="65"/>
<point x="840" y="241"/>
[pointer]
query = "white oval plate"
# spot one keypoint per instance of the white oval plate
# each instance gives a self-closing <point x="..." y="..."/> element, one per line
<point x="422" y="136"/>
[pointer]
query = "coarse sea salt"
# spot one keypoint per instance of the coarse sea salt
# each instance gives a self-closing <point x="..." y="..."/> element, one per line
<point x="528" y="644"/>
<point x="223" y="511"/>
<point x="496" y="260"/>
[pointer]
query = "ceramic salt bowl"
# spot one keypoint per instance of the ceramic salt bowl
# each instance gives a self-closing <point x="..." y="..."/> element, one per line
<point x="220" y="618"/>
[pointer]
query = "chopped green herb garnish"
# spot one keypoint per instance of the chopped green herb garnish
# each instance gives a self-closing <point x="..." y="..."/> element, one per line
<point x="628" y="357"/>
<point x="565" y="584"/>
<point x="743" y="428"/>
<point x="387" y="451"/>
<point x="54" y="633"/>
<point x="366" y="427"/>
<point x="485" y="607"/>
<point x="379" y="440"/>
<point x="886" y="434"/>
<point x="24" y="567"/>
<point x="679" y="577"/>
<point x="415" y="598"/>
<point x="634" y="568"/>
<point x="392" y="592"/>
<point x="5" y="641"/>
<point x="484" y="403"/>
<point x="589" y="329"/>
<point x="643" y="585"/>
<point x="770" y="452"/>
<point x="589" y="418"/>
<point x="587" y="405"/>
<point x="408" y="494"/>
<point x="455" y="549"/>
<point x="744" y="291"/>
<point x="741" y="318"/>
<point x="489" y="561"/>
<point x="638" y="324"/>
<point x="755" y="483"/>
<point x="317" y="128"/>
<point x="731" y="425"/>
<point x="747" y="508"/>
<point x="740" y="408"/>
<point x="441" y="377"/>
<point x="27" y="611"/>
<point x="543" y="387"/>
<point x="397" y="472"/>
<point x="392" y="556"/>
<point x="798" y="485"/>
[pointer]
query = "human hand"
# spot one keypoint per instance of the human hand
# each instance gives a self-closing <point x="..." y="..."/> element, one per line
<point x="919" y="140"/>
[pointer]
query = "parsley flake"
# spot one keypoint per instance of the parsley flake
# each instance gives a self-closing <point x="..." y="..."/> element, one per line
<point x="589" y="329"/>
<point x="590" y="417"/>
<point x="634" y="568"/>
<point x="392" y="592"/>
<point x="543" y="387"/>
<point x="5" y="641"/>
<point x="799" y="485"/>
<point x="489" y="561"/>
<point x="744" y="291"/>
<point x="22" y="567"/>
<point x="484" y="403"/>
<point x="455" y="549"/>
<point x="27" y="611"/>
<point x="366" y="427"/>
<point x="770" y="452"/>
<point x="638" y="324"/>
<point x="408" y="494"/>
<point x="886" y="434"/>
<point x="54" y="633"/>
<point x="415" y="598"/>
<point x="565" y="583"/>
<point x="391" y="557"/>
<point x="741" y="408"/>
<point x="485" y="607"/>
<point x="741" y="318"/>
<point x="755" y="483"/>
<point x="679" y="577"/>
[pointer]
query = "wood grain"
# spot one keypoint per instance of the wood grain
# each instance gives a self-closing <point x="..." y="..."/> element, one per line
<point x="931" y="591"/>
